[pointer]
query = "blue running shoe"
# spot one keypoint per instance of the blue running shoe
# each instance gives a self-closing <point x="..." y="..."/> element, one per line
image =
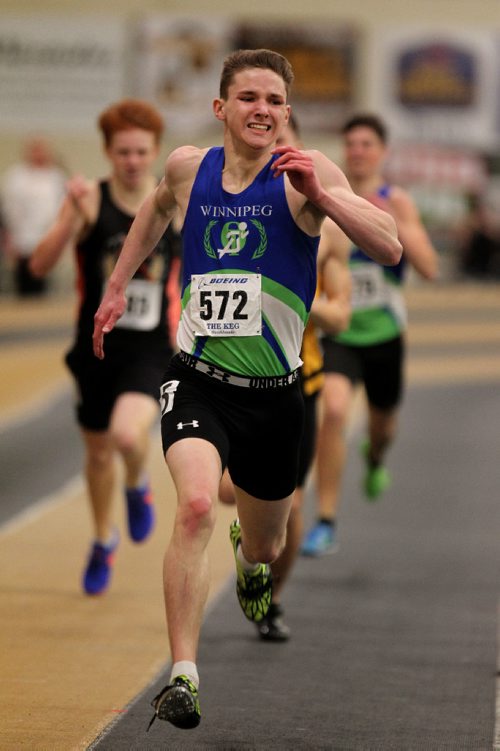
<point x="140" y="512"/>
<point x="97" y="574"/>
<point x="320" y="540"/>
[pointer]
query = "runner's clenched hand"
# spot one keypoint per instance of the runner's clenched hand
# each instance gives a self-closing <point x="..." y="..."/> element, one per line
<point x="300" y="169"/>
<point x="112" y="307"/>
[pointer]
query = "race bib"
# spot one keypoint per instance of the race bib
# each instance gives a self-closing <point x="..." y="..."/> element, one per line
<point x="143" y="306"/>
<point x="226" y="304"/>
<point x="368" y="286"/>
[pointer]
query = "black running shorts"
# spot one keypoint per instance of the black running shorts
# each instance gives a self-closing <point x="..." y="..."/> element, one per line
<point x="257" y="431"/>
<point x="101" y="382"/>
<point x="379" y="367"/>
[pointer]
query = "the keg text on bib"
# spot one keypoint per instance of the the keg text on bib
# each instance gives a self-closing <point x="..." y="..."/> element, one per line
<point x="226" y="304"/>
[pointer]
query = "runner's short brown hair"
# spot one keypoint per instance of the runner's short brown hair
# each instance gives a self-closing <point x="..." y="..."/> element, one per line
<point x="261" y="58"/>
<point x="367" y="120"/>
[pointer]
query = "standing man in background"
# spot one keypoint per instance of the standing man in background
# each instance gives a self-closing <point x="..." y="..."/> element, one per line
<point x="371" y="351"/>
<point x="118" y="399"/>
<point x="31" y="193"/>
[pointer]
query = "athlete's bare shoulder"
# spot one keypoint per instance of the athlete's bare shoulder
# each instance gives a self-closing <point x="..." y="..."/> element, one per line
<point x="400" y="201"/>
<point x="180" y="171"/>
<point x="182" y="163"/>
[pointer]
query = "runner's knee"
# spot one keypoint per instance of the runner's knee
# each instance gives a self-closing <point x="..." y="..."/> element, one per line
<point x="127" y="440"/>
<point x="99" y="459"/>
<point x="264" y="551"/>
<point x="334" y="413"/>
<point x="197" y="514"/>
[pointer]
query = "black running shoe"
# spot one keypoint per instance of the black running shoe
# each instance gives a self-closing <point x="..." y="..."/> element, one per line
<point x="178" y="703"/>
<point x="253" y="588"/>
<point x="271" y="627"/>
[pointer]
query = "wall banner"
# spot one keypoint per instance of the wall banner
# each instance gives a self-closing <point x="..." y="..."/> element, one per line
<point x="177" y="64"/>
<point x="58" y="74"/>
<point x="438" y="85"/>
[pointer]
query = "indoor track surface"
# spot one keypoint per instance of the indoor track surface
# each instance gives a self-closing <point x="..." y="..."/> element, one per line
<point x="394" y="638"/>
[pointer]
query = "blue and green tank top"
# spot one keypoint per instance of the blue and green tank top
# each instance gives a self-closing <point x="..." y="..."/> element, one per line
<point x="249" y="274"/>
<point x="378" y="307"/>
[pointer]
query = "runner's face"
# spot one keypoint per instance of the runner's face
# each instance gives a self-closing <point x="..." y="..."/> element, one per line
<point x="364" y="152"/>
<point x="132" y="154"/>
<point x="255" y="110"/>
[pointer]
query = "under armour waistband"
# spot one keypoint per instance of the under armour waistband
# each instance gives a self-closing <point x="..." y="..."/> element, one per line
<point x="249" y="382"/>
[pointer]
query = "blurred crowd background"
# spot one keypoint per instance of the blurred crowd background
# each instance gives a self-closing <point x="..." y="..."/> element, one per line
<point x="429" y="69"/>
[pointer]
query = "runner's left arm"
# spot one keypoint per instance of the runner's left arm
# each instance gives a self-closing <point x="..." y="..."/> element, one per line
<point x="417" y="245"/>
<point x="327" y="188"/>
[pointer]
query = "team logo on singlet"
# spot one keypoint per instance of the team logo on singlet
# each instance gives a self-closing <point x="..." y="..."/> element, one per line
<point x="233" y="237"/>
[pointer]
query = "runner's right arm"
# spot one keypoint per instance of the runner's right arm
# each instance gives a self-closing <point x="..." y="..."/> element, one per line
<point x="77" y="212"/>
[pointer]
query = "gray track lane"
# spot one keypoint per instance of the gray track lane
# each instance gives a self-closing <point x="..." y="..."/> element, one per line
<point x="38" y="456"/>
<point x="39" y="452"/>
<point x="393" y="637"/>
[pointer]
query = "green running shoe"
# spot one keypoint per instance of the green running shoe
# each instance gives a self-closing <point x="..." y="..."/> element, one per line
<point x="178" y="703"/>
<point x="252" y="587"/>
<point x="377" y="478"/>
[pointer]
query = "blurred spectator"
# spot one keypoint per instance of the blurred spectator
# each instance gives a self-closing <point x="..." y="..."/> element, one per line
<point x="480" y="254"/>
<point x="3" y="254"/>
<point x="31" y="192"/>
